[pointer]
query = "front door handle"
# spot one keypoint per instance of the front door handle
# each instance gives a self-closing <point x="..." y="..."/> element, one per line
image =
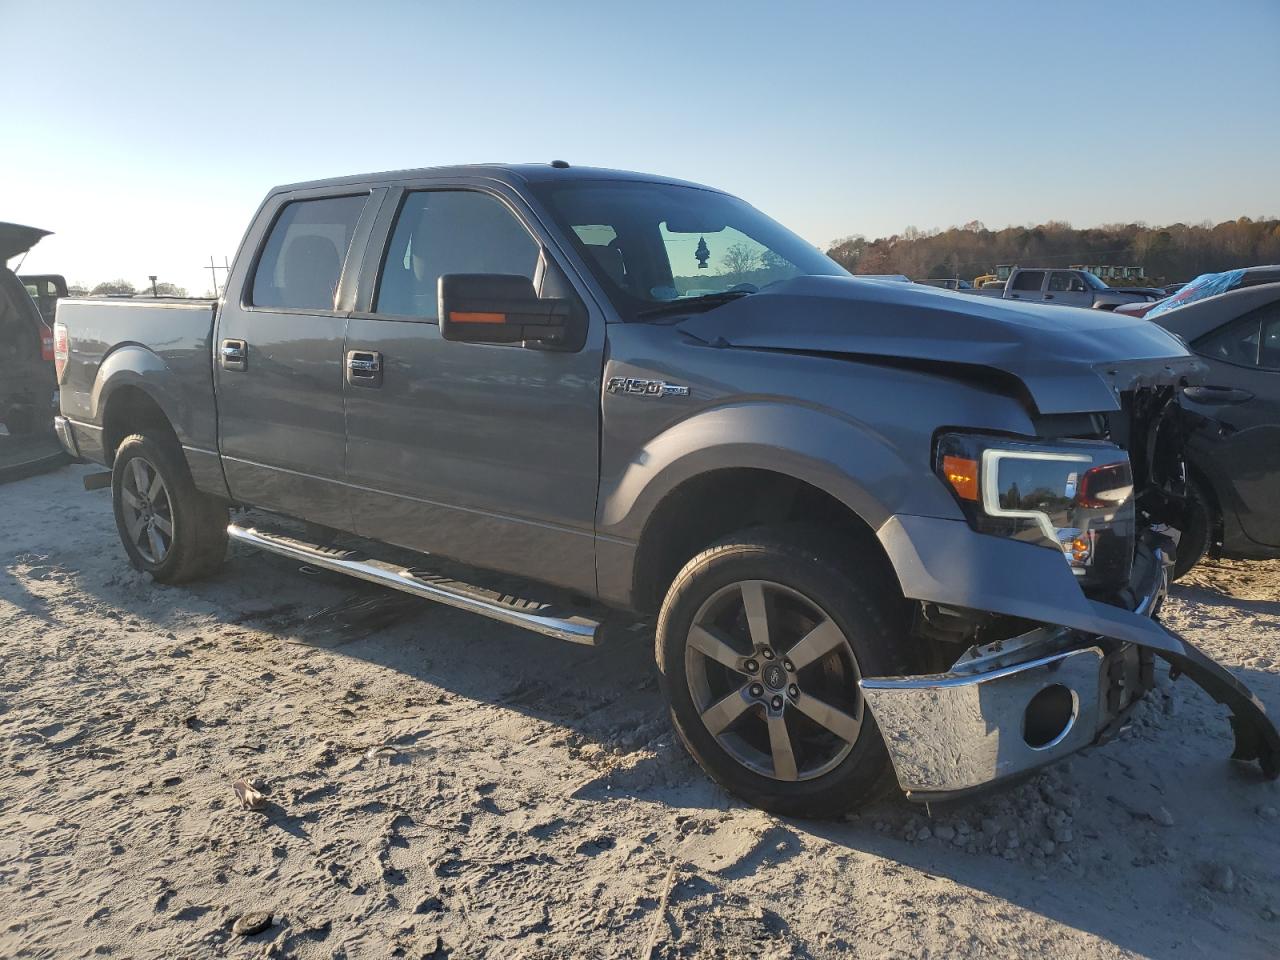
<point x="1048" y="296"/>
<point x="234" y="355"/>
<point x="364" y="368"/>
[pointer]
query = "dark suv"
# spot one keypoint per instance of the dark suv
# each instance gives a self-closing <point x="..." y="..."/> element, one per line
<point x="28" y="389"/>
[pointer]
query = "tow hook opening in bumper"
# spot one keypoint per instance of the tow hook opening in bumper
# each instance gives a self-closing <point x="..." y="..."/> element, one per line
<point x="1049" y="716"/>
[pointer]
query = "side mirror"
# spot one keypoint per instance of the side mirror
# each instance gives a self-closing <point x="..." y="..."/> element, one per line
<point x="499" y="308"/>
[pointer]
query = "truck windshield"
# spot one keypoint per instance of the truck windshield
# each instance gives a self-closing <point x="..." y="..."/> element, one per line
<point x="1094" y="280"/>
<point x="654" y="244"/>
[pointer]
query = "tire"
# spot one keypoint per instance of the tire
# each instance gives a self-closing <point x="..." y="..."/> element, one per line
<point x="1193" y="543"/>
<point x="801" y="582"/>
<point x="183" y="532"/>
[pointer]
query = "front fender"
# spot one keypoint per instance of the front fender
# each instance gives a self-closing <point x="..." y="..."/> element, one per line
<point x="843" y="457"/>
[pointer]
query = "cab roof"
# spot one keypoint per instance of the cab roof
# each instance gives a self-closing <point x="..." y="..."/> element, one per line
<point x="513" y="174"/>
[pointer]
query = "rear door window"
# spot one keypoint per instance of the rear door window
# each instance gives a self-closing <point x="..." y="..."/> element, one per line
<point x="1250" y="341"/>
<point x="1269" y="357"/>
<point x="439" y="232"/>
<point x="302" y="259"/>
<point x="1028" y="280"/>
<point x="1234" y="343"/>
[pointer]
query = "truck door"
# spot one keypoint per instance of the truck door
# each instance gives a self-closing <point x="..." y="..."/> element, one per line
<point x="1242" y="393"/>
<point x="1066" y="288"/>
<point x="484" y="453"/>
<point x="1026" y="285"/>
<point x="278" y="363"/>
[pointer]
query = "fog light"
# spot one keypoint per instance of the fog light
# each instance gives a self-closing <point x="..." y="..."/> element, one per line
<point x="1049" y="715"/>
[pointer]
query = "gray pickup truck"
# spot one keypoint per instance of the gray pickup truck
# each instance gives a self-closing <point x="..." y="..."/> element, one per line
<point x="885" y="533"/>
<point x="1067" y="288"/>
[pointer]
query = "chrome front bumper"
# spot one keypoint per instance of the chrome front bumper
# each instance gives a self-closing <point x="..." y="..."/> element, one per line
<point x="979" y="724"/>
<point x="1011" y="707"/>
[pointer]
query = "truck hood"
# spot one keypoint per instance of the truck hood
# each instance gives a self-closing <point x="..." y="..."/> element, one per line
<point x="16" y="239"/>
<point x="1068" y="360"/>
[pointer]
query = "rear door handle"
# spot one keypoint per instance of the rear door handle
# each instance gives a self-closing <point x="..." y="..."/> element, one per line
<point x="364" y="368"/>
<point x="1048" y="296"/>
<point x="234" y="355"/>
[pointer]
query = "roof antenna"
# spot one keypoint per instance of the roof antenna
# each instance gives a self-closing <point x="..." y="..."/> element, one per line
<point x="560" y="164"/>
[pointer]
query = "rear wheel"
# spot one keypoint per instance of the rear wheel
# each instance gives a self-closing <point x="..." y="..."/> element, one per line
<point x="168" y="527"/>
<point x="761" y="643"/>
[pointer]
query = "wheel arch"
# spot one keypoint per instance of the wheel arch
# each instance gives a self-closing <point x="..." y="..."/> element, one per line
<point x="712" y="505"/>
<point x="133" y="380"/>
<point x="131" y="409"/>
<point x="135" y="388"/>
<point x="747" y="463"/>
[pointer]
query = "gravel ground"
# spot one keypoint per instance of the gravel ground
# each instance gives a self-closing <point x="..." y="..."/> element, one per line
<point x="439" y="785"/>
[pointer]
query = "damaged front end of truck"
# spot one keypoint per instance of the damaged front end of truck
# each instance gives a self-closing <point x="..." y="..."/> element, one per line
<point x="1058" y="645"/>
<point x="1038" y="594"/>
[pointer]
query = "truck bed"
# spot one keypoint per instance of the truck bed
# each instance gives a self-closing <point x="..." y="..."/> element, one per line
<point x="165" y="343"/>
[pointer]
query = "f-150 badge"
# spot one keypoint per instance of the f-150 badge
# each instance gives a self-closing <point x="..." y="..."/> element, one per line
<point x="646" y="388"/>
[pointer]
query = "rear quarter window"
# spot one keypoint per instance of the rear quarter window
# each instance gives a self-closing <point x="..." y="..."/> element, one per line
<point x="1028" y="280"/>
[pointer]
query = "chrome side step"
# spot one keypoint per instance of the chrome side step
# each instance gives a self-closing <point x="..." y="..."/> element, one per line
<point x="535" y="617"/>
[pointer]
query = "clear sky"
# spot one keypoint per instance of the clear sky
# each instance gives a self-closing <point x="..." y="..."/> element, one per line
<point x="145" y="134"/>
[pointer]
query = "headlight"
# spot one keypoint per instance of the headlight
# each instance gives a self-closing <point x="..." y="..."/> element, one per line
<point x="1074" y="497"/>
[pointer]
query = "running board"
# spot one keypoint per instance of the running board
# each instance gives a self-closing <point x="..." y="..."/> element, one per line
<point x="539" y="618"/>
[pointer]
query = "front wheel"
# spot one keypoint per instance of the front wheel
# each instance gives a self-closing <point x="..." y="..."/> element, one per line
<point x="761" y="643"/>
<point x="169" y="528"/>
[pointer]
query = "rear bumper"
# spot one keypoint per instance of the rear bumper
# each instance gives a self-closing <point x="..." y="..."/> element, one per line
<point x="1004" y="710"/>
<point x="82" y="440"/>
<point x="62" y="427"/>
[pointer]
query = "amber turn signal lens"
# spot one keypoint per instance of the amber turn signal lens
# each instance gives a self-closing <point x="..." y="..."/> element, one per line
<point x="460" y="316"/>
<point x="962" y="474"/>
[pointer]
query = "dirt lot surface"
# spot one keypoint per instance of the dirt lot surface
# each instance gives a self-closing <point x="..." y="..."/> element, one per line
<point x="440" y="785"/>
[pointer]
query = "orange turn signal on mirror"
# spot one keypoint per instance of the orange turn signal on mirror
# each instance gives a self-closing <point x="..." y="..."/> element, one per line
<point x="458" y="316"/>
<point x="962" y="474"/>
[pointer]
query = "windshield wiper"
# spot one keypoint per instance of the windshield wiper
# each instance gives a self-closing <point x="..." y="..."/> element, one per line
<point x="693" y="304"/>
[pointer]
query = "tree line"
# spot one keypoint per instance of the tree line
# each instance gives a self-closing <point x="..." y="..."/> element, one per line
<point x="1168" y="254"/>
<point x="123" y="288"/>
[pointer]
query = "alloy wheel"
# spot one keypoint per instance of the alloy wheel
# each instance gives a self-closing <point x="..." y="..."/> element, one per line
<point x="147" y="510"/>
<point x="774" y="680"/>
